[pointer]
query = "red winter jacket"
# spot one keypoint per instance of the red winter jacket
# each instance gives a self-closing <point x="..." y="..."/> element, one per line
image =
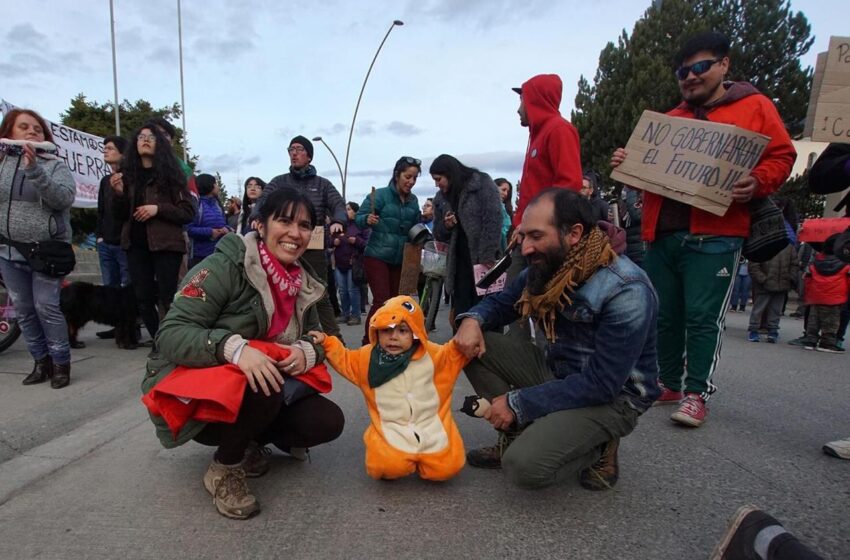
<point x="754" y="112"/>
<point x="214" y="394"/>
<point x="827" y="281"/>
<point x="552" y="158"/>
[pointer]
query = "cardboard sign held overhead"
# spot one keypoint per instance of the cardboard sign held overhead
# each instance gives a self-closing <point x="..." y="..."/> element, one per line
<point x="831" y="94"/>
<point x="693" y="161"/>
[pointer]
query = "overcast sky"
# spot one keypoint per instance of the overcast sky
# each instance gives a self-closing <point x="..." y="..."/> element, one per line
<point x="258" y="72"/>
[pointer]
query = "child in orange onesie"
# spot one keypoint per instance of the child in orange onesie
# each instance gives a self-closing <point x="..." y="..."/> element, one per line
<point x="407" y="381"/>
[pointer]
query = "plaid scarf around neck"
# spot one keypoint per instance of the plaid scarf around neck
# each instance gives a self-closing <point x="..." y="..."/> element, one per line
<point x="584" y="259"/>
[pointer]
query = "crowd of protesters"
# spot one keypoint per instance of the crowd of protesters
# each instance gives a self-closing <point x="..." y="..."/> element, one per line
<point x="632" y="314"/>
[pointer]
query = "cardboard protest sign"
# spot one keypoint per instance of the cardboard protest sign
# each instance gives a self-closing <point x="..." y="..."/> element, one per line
<point x="817" y="81"/>
<point x="693" y="161"/>
<point x="816" y="230"/>
<point x="84" y="155"/>
<point x="831" y="114"/>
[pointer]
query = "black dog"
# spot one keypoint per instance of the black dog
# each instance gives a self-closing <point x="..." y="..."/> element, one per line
<point x="82" y="302"/>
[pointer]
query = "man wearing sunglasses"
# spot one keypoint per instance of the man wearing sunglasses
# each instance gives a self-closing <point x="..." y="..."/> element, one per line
<point x="693" y="255"/>
<point x="328" y="204"/>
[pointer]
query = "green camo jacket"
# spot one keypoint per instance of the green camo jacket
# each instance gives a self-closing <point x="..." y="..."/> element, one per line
<point x="225" y="294"/>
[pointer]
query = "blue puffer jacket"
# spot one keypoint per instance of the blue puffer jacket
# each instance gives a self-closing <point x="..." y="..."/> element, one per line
<point x="389" y="235"/>
<point x="208" y="217"/>
<point x="605" y="344"/>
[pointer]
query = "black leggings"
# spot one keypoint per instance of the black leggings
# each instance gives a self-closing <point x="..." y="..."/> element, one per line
<point x="306" y="423"/>
<point x="154" y="277"/>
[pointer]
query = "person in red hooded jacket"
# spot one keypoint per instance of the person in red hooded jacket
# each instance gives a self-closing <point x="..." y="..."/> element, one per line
<point x="552" y="158"/>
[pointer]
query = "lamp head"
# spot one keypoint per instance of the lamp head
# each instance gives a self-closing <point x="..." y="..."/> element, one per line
<point x="398" y="22"/>
<point x="317" y="139"/>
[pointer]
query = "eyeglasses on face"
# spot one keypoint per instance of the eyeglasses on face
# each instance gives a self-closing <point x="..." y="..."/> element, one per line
<point x="296" y="150"/>
<point x="146" y="137"/>
<point x="698" y="68"/>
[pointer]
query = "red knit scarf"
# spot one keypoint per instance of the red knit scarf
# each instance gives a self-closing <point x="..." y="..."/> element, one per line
<point x="285" y="283"/>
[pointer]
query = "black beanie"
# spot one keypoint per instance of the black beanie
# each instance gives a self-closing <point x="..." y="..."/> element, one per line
<point x="304" y="142"/>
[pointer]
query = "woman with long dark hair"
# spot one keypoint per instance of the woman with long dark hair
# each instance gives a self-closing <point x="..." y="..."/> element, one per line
<point x="395" y="211"/>
<point x="253" y="189"/>
<point x="152" y="198"/>
<point x="467" y="214"/>
<point x="36" y="193"/>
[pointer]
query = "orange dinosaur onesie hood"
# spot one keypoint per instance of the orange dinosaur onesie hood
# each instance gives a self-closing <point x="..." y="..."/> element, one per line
<point x="393" y="312"/>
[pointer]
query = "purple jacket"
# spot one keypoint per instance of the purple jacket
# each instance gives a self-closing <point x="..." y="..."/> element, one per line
<point x="208" y="216"/>
<point x="345" y="251"/>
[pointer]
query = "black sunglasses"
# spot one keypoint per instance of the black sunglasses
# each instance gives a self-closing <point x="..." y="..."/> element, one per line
<point x="698" y="68"/>
<point x="411" y="161"/>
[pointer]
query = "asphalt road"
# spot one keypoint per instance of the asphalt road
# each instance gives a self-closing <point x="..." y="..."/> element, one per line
<point x="83" y="476"/>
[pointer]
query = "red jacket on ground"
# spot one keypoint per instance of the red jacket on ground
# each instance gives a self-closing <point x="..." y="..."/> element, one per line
<point x="553" y="158"/>
<point x="214" y="394"/>
<point x="827" y="281"/>
<point x="754" y="112"/>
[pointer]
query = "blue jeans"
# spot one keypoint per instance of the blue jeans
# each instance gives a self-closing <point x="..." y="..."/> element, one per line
<point x="113" y="264"/>
<point x="349" y="293"/>
<point x="741" y="290"/>
<point x="36" y="299"/>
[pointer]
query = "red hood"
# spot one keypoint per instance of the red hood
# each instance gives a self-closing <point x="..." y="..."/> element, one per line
<point x="542" y="98"/>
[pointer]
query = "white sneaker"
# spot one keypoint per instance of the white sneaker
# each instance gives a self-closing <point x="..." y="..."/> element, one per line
<point x="839" y="448"/>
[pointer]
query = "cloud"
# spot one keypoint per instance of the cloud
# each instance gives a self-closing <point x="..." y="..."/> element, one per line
<point x="163" y="54"/>
<point x="491" y="162"/>
<point x="25" y="34"/>
<point x="402" y="129"/>
<point x="226" y="163"/>
<point x="334" y="129"/>
<point x="482" y="14"/>
<point x="21" y="59"/>
<point x="366" y="128"/>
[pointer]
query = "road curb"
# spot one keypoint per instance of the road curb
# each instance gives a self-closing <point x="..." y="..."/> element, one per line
<point x="39" y="462"/>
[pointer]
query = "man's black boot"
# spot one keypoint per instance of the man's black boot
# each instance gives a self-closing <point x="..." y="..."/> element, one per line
<point x="61" y="376"/>
<point x="604" y="473"/>
<point x="491" y="457"/>
<point x="41" y="372"/>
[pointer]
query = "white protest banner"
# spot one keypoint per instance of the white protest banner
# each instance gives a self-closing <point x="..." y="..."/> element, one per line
<point x="84" y="155"/>
<point x="693" y="161"/>
<point x="831" y="121"/>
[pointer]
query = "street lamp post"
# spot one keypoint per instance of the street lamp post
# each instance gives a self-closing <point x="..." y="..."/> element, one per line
<point x="395" y="23"/>
<point x="338" y="166"/>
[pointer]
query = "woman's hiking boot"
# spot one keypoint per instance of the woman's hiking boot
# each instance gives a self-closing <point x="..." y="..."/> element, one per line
<point x="230" y="492"/>
<point x="256" y="462"/>
<point x="604" y="473"/>
<point x="491" y="457"/>
<point x="41" y="371"/>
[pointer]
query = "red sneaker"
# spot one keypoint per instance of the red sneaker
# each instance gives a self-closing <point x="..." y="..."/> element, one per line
<point x="668" y="396"/>
<point x="692" y="411"/>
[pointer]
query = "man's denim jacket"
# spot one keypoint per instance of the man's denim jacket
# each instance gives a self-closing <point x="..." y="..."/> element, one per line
<point x="604" y="346"/>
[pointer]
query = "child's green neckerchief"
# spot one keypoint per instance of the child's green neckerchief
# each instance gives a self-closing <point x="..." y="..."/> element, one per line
<point x="384" y="366"/>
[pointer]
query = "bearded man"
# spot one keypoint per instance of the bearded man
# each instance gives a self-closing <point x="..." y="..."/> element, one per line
<point x="562" y="411"/>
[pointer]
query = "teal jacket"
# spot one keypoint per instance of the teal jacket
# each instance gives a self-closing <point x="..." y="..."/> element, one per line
<point x="225" y="295"/>
<point x="389" y="235"/>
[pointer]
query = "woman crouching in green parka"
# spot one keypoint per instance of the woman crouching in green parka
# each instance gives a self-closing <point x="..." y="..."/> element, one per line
<point x="251" y="288"/>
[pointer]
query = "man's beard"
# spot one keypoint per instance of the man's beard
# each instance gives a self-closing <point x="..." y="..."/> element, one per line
<point x="542" y="270"/>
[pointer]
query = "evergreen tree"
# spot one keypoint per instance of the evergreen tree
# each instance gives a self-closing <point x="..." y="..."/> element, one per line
<point x="637" y="73"/>
<point x="99" y="118"/>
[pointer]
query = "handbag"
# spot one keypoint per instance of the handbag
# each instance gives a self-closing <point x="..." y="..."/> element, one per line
<point x="768" y="235"/>
<point x="52" y="257"/>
